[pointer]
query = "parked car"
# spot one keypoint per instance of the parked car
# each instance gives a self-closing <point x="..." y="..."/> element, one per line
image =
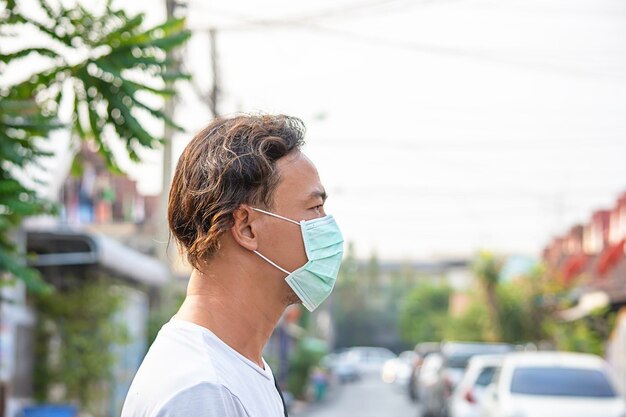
<point x="341" y="367"/>
<point x="369" y="360"/>
<point x="422" y="350"/>
<point x="468" y="395"/>
<point x="456" y="356"/>
<point x="398" y="370"/>
<point x="428" y="385"/>
<point x="553" y="384"/>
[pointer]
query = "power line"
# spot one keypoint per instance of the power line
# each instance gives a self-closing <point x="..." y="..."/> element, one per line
<point x="468" y="53"/>
<point x="347" y="10"/>
<point x="308" y="22"/>
<point x="533" y="144"/>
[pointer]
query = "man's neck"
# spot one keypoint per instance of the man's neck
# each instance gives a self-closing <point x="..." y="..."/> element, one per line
<point x="233" y="311"/>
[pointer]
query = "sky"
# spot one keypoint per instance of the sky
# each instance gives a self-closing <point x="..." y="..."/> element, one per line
<point x="439" y="127"/>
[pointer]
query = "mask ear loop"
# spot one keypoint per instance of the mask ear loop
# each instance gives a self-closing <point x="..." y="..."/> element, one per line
<point x="272" y="263"/>
<point x="275" y="215"/>
<point x="264" y="257"/>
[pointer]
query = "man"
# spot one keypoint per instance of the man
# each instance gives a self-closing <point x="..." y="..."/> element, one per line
<point x="247" y="207"/>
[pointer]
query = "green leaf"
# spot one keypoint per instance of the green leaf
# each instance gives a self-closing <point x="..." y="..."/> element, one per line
<point x="12" y="262"/>
<point x="163" y="92"/>
<point x="104" y="150"/>
<point x="176" y="75"/>
<point x="131" y="86"/>
<point x="6" y="58"/>
<point x="172" y="26"/>
<point x="131" y="122"/>
<point x="46" y="8"/>
<point x="125" y="60"/>
<point x="170" y="42"/>
<point x="117" y="34"/>
<point x="157" y="114"/>
<point x="64" y="39"/>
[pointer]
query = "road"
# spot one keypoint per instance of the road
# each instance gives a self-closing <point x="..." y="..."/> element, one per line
<point x="367" y="398"/>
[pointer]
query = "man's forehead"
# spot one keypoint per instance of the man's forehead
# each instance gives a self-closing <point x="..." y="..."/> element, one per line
<point x="299" y="175"/>
<point x="296" y="165"/>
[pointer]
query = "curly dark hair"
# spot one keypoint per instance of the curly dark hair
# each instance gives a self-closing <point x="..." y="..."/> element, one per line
<point x="230" y="162"/>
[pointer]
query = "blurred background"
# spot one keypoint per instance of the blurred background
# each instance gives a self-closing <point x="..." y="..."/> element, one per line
<point x="473" y="152"/>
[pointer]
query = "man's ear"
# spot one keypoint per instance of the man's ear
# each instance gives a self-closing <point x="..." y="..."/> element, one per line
<point x="243" y="230"/>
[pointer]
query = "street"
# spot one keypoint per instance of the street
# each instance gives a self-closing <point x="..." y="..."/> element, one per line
<point x="366" y="398"/>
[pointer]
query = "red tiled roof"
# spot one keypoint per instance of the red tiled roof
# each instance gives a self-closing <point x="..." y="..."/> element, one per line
<point x="610" y="258"/>
<point x="573" y="266"/>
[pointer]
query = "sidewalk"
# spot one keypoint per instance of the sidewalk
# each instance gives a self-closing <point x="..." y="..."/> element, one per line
<point x="306" y="408"/>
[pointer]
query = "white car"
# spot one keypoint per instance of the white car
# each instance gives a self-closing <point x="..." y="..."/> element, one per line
<point x="398" y="370"/>
<point x="468" y="395"/>
<point x="369" y="360"/>
<point x="341" y="367"/>
<point x="553" y="384"/>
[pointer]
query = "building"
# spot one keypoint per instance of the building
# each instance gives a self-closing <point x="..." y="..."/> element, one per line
<point x="105" y="229"/>
<point x="591" y="260"/>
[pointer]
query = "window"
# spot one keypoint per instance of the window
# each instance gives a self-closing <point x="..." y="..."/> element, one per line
<point x="569" y="382"/>
<point x="486" y="376"/>
<point x="458" y="362"/>
<point x="496" y="375"/>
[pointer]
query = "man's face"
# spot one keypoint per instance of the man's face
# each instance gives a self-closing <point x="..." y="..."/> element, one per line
<point x="298" y="196"/>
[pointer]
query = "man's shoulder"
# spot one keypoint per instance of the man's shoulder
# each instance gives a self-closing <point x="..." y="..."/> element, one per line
<point x="177" y="363"/>
<point x="203" y="399"/>
<point x="182" y="352"/>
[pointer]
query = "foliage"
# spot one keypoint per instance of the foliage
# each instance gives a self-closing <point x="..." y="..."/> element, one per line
<point x="170" y="300"/>
<point x="471" y="326"/>
<point x="518" y="311"/>
<point x="364" y="308"/>
<point x="302" y="363"/>
<point x="487" y="268"/>
<point x="424" y="313"/>
<point x="588" y="334"/>
<point x="21" y="123"/>
<point x="75" y="334"/>
<point x="518" y="307"/>
<point x="105" y="69"/>
<point x="522" y="319"/>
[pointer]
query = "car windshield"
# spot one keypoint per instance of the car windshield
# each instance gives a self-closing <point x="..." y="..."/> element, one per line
<point x="458" y="361"/>
<point x="486" y="376"/>
<point x="459" y="356"/>
<point x="570" y="382"/>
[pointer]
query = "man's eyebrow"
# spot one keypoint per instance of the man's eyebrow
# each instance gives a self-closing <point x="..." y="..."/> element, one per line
<point x="319" y="194"/>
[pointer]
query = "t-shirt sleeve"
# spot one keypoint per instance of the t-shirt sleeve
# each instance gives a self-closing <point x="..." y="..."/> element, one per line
<point x="203" y="400"/>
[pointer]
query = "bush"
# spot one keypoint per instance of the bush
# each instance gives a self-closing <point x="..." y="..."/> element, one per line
<point x="74" y="336"/>
<point x="302" y="362"/>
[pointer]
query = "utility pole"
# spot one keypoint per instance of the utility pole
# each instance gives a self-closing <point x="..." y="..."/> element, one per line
<point x="210" y="98"/>
<point x="168" y="134"/>
<point x="214" y="68"/>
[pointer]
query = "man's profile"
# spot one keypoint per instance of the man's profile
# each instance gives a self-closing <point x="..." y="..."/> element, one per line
<point x="247" y="207"/>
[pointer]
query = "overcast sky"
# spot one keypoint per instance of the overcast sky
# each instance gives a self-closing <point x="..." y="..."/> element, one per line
<point x="439" y="127"/>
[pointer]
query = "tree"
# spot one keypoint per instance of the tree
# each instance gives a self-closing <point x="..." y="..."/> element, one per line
<point x="521" y="311"/>
<point x="424" y="313"/>
<point x="363" y="306"/>
<point x="106" y="68"/>
<point x="75" y="336"/>
<point x="487" y="269"/>
<point x="472" y="325"/>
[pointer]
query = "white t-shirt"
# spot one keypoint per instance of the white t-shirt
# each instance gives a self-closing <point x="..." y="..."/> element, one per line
<point x="190" y="372"/>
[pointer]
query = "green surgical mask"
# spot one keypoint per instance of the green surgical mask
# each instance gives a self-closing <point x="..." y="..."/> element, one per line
<point x="314" y="281"/>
